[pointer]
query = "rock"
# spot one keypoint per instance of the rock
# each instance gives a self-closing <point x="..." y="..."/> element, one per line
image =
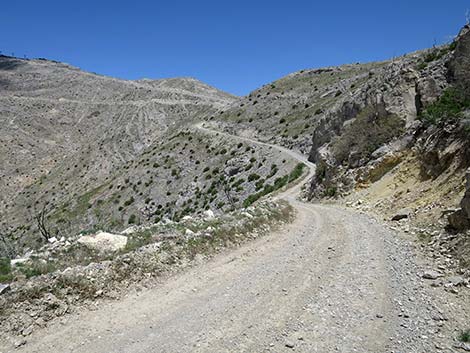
<point x="459" y="65"/>
<point x="19" y="343"/>
<point x="52" y="240"/>
<point x="290" y="344"/>
<point x="187" y="218"/>
<point x="4" y="288"/>
<point x="15" y="262"/>
<point x="456" y="281"/>
<point x="465" y="203"/>
<point x="130" y="230"/>
<point x="402" y="214"/>
<point x="188" y="232"/>
<point x="430" y="274"/>
<point x="464" y="346"/>
<point x="458" y="220"/>
<point x="209" y="214"/>
<point x="27" y="331"/>
<point x="104" y="242"/>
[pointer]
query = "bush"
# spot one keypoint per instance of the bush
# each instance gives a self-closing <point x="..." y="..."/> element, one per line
<point x="331" y="191"/>
<point x="132" y="219"/>
<point x="370" y="129"/>
<point x="253" y="177"/>
<point x="5" y="270"/>
<point x="450" y="105"/>
<point x="278" y="184"/>
<point x="464" y="336"/>
<point x="129" y="202"/>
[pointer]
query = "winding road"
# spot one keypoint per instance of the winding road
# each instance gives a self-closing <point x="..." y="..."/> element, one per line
<point x="331" y="281"/>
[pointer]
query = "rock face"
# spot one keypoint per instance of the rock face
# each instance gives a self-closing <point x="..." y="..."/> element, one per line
<point x="460" y="219"/>
<point x="465" y="204"/>
<point x="104" y="242"/>
<point x="458" y="67"/>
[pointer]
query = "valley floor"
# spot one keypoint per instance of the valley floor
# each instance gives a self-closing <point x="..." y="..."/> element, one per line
<point x="332" y="281"/>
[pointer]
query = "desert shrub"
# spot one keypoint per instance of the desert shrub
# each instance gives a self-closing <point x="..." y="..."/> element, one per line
<point x="464" y="336"/>
<point x="331" y="191"/>
<point x="449" y="106"/>
<point x="278" y="184"/>
<point x="132" y="219"/>
<point x="129" y="202"/>
<point x="36" y="268"/>
<point x="253" y="177"/>
<point x="370" y="130"/>
<point x="5" y="270"/>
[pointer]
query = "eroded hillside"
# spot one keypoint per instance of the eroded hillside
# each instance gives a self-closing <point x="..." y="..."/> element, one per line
<point x="65" y="132"/>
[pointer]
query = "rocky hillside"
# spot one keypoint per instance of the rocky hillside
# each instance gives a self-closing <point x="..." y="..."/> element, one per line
<point x="391" y="135"/>
<point x="83" y="152"/>
<point x="90" y="152"/>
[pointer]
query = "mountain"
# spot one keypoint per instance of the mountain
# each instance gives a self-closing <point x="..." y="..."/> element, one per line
<point x="94" y="152"/>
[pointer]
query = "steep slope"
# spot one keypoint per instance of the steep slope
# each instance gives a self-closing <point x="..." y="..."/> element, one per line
<point x="65" y="132"/>
<point x="387" y="135"/>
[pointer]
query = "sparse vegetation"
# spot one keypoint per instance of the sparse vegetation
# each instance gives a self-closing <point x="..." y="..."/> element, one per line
<point x="464" y="336"/>
<point x="5" y="270"/>
<point x="450" y="105"/>
<point x="278" y="184"/>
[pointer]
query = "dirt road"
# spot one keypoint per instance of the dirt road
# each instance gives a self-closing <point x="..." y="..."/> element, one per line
<point x="332" y="281"/>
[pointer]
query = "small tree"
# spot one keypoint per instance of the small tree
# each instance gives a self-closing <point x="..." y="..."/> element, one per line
<point x="41" y="222"/>
<point x="225" y="186"/>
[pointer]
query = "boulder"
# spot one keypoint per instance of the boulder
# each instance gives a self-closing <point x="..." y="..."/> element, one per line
<point x="402" y="214"/>
<point x="4" y="288"/>
<point x="20" y="261"/>
<point x="104" y="242"/>
<point x="431" y="274"/>
<point x="460" y="218"/>
<point x="209" y="214"/>
<point x="459" y="65"/>
<point x="456" y="281"/>
<point x="465" y="203"/>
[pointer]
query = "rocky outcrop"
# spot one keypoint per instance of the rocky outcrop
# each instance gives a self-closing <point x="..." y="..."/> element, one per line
<point x="460" y="219"/>
<point x="458" y="68"/>
<point x="104" y="242"/>
<point x="440" y="146"/>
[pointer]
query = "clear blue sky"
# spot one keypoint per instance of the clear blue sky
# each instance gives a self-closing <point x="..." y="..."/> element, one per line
<point x="236" y="46"/>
